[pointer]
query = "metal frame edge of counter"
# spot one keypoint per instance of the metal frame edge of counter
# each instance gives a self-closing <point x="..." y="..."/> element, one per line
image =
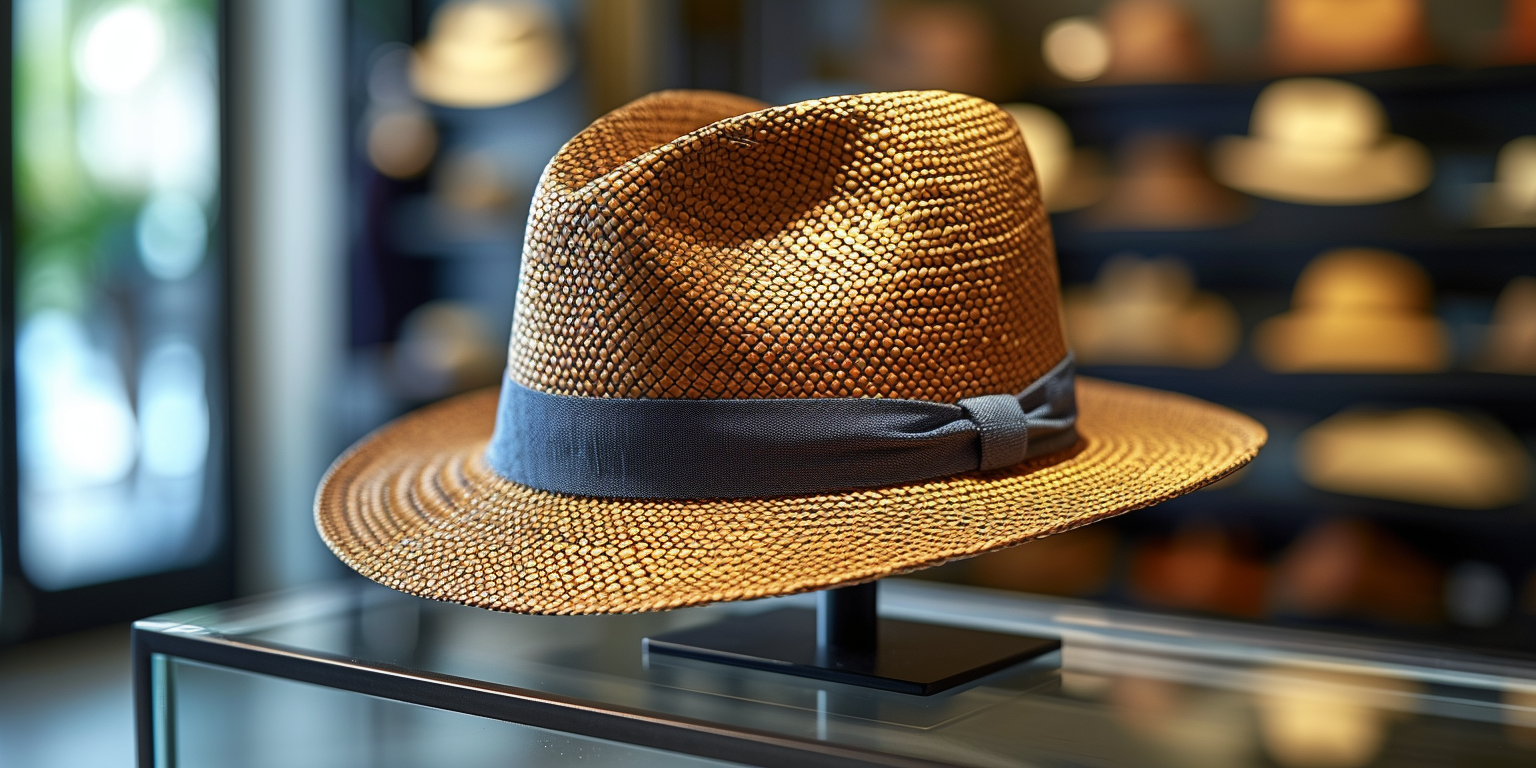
<point x="153" y="736"/>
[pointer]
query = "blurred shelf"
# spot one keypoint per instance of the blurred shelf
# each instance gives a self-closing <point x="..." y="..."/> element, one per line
<point x="1287" y="512"/>
<point x="1463" y="115"/>
<point x="1291" y="232"/>
<point x="1243" y="384"/>
<point x="1435" y="104"/>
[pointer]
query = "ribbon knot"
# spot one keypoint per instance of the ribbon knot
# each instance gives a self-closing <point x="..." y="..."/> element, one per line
<point x="1002" y="429"/>
<point x="754" y="448"/>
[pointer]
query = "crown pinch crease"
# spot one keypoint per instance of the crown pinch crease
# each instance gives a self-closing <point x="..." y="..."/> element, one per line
<point x="701" y="246"/>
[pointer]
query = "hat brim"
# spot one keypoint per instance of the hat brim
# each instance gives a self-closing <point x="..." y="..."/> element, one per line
<point x="414" y="507"/>
<point x="1396" y="168"/>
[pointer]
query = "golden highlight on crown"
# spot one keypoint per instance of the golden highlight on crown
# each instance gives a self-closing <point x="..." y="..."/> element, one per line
<point x="702" y="245"/>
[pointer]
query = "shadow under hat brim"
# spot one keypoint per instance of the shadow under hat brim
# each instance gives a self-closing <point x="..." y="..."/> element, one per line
<point x="1396" y="168"/>
<point x="414" y="507"/>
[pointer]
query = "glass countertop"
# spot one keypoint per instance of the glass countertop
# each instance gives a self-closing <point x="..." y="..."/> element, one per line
<point x="1127" y="688"/>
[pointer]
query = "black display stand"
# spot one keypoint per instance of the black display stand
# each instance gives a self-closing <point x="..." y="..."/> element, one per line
<point x="843" y="641"/>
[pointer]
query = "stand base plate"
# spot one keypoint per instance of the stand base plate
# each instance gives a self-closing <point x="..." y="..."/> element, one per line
<point x="913" y="658"/>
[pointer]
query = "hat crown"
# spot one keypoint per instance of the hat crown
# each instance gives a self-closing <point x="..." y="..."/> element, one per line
<point x="1320" y="114"/>
<point x="1363" y="280"/>
<point x="697" y="245"/>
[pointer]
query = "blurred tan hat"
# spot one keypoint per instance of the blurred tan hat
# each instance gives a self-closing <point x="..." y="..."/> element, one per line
<point x="1306" y="36"/>
<point x="765" y="350"/>
<point x="1147" y="312"/>
<point x="945" y="45"/>
<point x="1070" y="178"/>
<point x="1510" y="201"/>
<point x="1357" y="310"/>
<point x="1321" y="142"/>
<point x="1511" y="344"/>
<point x="1161" y="183"/>
<point x="445" y="348"/>
<point x="1153" y="41"/>
<point x="490" y="53"/>
<point x="1519" y="44"/>
<point x="1345" y="567"/>
<point x="1424" y="456"/>
<point x="1075" y="563"/>
<point x="1200" y="568"/>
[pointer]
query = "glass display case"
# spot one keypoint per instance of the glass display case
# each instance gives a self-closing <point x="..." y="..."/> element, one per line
<point x="358" y="675"/>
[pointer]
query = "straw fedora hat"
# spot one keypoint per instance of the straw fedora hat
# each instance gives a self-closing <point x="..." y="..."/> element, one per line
<point x="489" y="53"/>
<point x="1321" y="142"/>
<point x="759" y="351"/>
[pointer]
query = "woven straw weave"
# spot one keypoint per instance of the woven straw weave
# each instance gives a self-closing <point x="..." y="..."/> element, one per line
<point x="885" y="244"/>
<point x="696" y="245"/>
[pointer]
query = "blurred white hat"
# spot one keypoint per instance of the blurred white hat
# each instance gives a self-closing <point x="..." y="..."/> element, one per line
<point x="1321" y="142"/>
<point x="1510" y="201"/>
<point x="490" y="53"/>
<point x="1069" y="178"/>
<point x="1423" y="456"/>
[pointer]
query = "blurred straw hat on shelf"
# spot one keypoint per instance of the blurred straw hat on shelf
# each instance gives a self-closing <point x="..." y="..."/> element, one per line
<point x="1321" y="142"/>
<point x="1353" y="568"/>
<point x="1075" y="563"/>
<point x="1357" y="310"/>
<point x="1511" y="343"/>
<point x="490" y="53"/>
<point x="1306" y="36"/>
<point x="1070" y="178"/>
<point x="1161" y="183"/>
<point x="1519" y="33"/>
<point x="473" y="180"/>
<point x="1424" y="456"/>
<point x="1510" y="201"/>
<point x="946" y="45"/>
<point x="1147" y="312"/>
<point x="1200" y="568"/>
<point x="445" y="347"/>
<point x="1153" y="41"/>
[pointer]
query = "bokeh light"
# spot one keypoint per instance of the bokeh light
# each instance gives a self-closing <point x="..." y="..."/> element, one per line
<point x="118" y="50"/>
<point x="1077" y="48"/>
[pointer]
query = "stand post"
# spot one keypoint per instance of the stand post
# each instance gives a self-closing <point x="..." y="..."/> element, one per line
<point x="846" y="624"/>
<point x="843" y="641"/>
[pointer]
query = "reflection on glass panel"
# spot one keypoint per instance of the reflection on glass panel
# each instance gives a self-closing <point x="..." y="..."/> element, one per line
<point x="117" y="304"/>
<point x="234" y="719"/>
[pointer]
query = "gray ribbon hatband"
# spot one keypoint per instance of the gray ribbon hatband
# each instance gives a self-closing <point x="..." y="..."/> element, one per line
<point x="705" y="449"/>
